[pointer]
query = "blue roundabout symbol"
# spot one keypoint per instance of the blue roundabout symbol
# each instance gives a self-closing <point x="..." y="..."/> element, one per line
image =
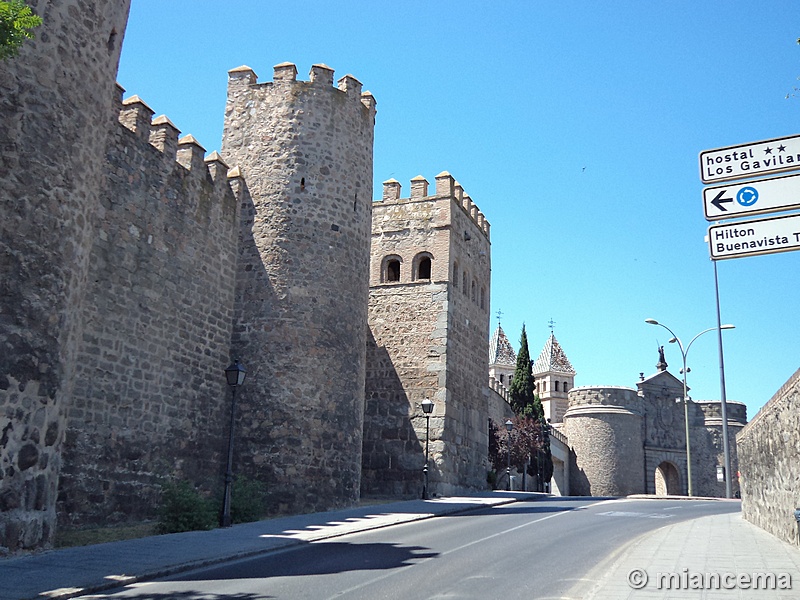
<point x="747" y="196"/>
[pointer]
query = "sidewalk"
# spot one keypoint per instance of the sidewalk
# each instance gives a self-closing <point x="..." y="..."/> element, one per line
<point x="82" y="570"/>
<point x="718" y="557"/>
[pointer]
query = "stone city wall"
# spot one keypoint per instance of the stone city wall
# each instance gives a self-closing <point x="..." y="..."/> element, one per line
<point x="55" y="114"/>
<point x="769" y="462"/>
<point x="150" y="399"/>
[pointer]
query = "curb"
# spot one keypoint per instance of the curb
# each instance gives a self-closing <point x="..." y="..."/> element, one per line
<point x="285" y="544"/>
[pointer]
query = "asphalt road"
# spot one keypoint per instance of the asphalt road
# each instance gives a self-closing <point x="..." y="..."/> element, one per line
<point x="541" y="549"/>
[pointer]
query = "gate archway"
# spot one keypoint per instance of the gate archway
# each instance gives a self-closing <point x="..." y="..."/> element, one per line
<point x="668" y="480"/>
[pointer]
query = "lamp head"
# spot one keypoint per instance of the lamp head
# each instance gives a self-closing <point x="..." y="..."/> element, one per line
<point x="651" y="321"/>
<point x="427" y="406"/>
<point x="235" y="373"/>
<point x="728" y="326"/>
<point x="509" y="425"/>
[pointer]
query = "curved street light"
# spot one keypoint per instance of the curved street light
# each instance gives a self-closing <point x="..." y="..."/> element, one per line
<point x="684" y="370"/>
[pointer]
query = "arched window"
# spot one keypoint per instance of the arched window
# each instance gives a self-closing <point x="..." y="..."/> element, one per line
<point x="390" y="269"/>
<point x="556" y="386"/>
<point x="474" y="290"/>
<point x="464" y="283"/>
<point x="483" y="298"/>
<point x="422" y="267"/>
<point x="455" y="275"/>
<point x="566" y="386"/>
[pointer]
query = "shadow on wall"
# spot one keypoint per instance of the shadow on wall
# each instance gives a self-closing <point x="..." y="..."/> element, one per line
<point x="393" y="453"/>
<point x="578" y="481"/>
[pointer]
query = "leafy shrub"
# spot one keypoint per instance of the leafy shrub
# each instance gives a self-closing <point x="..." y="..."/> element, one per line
<point x="183" y="508"/>
<point x="248" y="500"/>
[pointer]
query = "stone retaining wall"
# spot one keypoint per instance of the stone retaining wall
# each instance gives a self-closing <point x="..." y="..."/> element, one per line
<point x="769" y="463"/>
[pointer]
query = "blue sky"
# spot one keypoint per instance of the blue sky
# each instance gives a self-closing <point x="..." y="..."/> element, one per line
<point x="575" y="126"/>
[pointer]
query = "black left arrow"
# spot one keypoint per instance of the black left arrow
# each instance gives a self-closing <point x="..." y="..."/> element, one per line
<point x="719" y="201"/>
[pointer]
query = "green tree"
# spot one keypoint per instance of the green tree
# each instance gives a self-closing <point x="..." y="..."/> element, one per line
<point x="16" y="23"/>
<point x="524" y="442"/>
<point x="527" y="405"/>
<point x="522" y="390"/>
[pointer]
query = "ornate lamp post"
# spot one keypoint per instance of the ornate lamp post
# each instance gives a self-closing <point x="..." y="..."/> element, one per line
<point x="684" y="371"/>
<point x="427" y="408"/>
<point x="509" y="426"/>
<point x="235" y="377"/>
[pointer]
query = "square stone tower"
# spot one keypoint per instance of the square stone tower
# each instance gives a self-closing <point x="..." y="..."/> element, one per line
<point x="429" y="323"/>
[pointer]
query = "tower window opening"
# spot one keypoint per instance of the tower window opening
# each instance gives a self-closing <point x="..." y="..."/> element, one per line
<point x="391" y="269"/>
<point x="424" y="269"/>
<point x="455" y="275"/>
<point x="112" y="40"/>
<point x="302" y="183"/>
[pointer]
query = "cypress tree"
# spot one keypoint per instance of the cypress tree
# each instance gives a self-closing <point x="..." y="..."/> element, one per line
<point x="522" y="390"/>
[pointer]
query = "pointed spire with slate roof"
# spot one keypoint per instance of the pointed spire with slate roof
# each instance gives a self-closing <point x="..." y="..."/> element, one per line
<point x="502" y="358"/>
<point x="553" y="359"/>
<point x="554" y="378"/>
<point x="500" y="350"/>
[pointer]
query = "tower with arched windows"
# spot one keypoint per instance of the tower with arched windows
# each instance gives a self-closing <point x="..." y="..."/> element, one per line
<point x="555" y="377"/>
<point x="429" y="321"/>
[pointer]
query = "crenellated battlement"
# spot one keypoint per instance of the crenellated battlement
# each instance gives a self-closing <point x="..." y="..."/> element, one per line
<point x="446" y="187"/>
<point x="243" y="78"/>
<point x="136" y="116"/>
<point x="501" y="390"/>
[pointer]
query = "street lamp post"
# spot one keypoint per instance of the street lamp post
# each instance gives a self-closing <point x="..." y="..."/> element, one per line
<point x="509" y="427"/>
<point x="235" y="377"/>
<point x="684" y="371"/>
<point x="427" y="408"/>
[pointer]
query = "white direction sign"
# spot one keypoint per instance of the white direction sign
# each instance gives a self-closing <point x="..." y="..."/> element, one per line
<point x="751" y="198"/>
<point x="759" y="236"/>
<point x="750" y="160"/>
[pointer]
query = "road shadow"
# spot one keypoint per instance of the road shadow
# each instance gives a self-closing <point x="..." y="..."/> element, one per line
<point x="188" y="595"/>
<point x="320" y="558"/>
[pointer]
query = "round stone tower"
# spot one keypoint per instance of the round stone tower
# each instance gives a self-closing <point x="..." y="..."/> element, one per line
<point x="56" y="111"/>
<point x="305" y="152"/>
<point x="604" y="428"/>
